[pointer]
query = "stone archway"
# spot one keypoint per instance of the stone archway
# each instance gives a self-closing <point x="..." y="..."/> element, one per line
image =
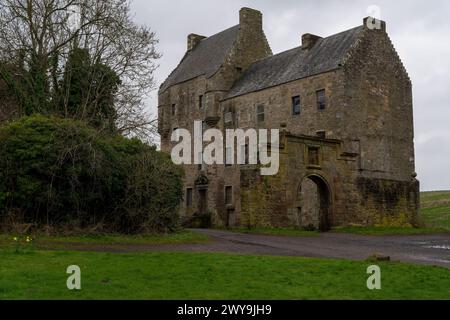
<point x="316" y="205"/>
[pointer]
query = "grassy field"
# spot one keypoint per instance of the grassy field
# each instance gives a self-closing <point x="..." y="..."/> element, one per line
<point x="435" y="208"/>
<point x="42" y="275"/>
<point x="28" y="271"/>
<point x="80" y="241"/>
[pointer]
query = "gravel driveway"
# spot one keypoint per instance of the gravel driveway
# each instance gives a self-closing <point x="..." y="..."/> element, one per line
<point x="423" y="249"/>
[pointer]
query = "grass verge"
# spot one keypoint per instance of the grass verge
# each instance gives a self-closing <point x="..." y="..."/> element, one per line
<point x="42" y="275"/>
<point x="435" y="208"/>
<point x="182" y="237"/>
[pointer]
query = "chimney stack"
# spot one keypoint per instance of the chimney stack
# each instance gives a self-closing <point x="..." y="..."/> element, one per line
<point x="193" y="40"/>
<point x="309" y="40"/>
<point x="374" y="24"/>
<point x="250" y="19"/>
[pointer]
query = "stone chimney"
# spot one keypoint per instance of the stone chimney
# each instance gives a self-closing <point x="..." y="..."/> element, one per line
<point x="193" y="40"/>
<point x="250" y="19"/>
<point x="374" y="24"/>
<point x="309" y="40"/>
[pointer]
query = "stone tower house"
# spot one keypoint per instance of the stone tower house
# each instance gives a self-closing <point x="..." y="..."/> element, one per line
<point x="343" y="104"/>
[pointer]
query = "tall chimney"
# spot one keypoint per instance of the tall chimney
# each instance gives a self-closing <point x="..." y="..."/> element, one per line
<point x="250" y="19"/>
<point x="374" y="24"/>
<point x="193" y="40"/>
<point x="309" y="40"/>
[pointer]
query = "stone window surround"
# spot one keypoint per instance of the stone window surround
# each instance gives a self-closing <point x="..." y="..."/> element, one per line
<point x="189" y="197"/>
<point x="317" y="165"/>
<point x="295" y="99"/>
<point x="174" y="109"/>
<point x="260" y="113"/>
<point x="229" y="198"/>
<point x="321" y="99"/>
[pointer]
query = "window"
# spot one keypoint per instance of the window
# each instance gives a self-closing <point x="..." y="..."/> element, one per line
<point x="175" y="134"/>
<point x="200" y="159"/>
<point x="228" y="118"/>
<point x="200" y="101"/>
<point x="228" y="156"/>
<point x="229" y="195"/>
<point x="260" y="113"/>
<point x="296" y="105"/>
<point x="313" y="156"/>
<point x="244" y="154"/>
<point x="174" y="109"/>
<point x="321" y="99"/>
<point x="189" y="197"/>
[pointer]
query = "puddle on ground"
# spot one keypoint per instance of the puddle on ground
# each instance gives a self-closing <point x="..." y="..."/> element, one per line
<point x="442" y="247"/>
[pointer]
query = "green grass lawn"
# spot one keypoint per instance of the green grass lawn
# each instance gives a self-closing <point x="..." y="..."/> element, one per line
<point x="42" y="275"/>
<point x="435" y="208"/>
<point x="182" y="237"/>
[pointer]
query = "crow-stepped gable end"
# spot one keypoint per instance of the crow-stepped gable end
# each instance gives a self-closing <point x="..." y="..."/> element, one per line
<point x="343" y="104"/>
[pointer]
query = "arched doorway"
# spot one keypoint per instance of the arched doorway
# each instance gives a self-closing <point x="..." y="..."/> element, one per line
<point x="315" y="198"/>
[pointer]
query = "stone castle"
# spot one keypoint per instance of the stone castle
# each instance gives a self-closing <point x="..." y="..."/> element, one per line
<point x="343" y="105"/>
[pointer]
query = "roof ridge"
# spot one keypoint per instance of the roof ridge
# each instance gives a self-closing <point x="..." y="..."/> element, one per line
<point x="293" y="64"/>
<point x="205" y="59"/>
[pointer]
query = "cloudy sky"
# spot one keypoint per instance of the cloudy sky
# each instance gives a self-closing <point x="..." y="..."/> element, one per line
<point x="420" y="31"/>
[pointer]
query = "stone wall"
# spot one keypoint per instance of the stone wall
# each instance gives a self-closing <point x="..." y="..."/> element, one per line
<point x="366" y="154"/>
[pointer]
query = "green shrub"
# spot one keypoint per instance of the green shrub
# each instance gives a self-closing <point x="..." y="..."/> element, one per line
<point x="60" y="172"/>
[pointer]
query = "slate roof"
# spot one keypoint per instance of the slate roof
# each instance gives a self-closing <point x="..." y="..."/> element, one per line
<point x="205" y="59"/>
<point x="326" y="55"/>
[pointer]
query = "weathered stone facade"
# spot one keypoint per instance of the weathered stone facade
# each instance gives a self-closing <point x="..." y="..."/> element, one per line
<point x="347" y="153"/>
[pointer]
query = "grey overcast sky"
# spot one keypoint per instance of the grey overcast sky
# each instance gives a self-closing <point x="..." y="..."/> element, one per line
<point x="420" y="31"/>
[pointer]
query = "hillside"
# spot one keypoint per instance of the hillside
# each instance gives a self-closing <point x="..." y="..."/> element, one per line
<point x="435" y="208"/>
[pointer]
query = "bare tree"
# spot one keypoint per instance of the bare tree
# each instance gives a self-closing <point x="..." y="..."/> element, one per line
<point x="38" y="36"/>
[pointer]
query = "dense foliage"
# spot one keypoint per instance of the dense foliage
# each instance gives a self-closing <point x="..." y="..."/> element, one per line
<point x="60" y="172"/>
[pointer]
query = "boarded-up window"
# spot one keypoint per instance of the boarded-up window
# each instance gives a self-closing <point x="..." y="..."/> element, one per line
<point x="228" y="156"/>
<point x="228" y="195"/>
<point x="313" y="156"/>
<point x="296" y="106"/>
<point x="321" y="99"/>
<point x="189" y="197"/>
<point x="321" y="134"/>
<point x="228" y="118"/>
<point x="260" y="113"/>
<point x="174" y="109"/>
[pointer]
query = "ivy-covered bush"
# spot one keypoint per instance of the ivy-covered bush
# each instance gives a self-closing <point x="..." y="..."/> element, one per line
<point x="61" y="173"/>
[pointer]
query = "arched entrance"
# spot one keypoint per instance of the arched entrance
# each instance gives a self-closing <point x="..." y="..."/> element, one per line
<point x="316" y="207"/>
